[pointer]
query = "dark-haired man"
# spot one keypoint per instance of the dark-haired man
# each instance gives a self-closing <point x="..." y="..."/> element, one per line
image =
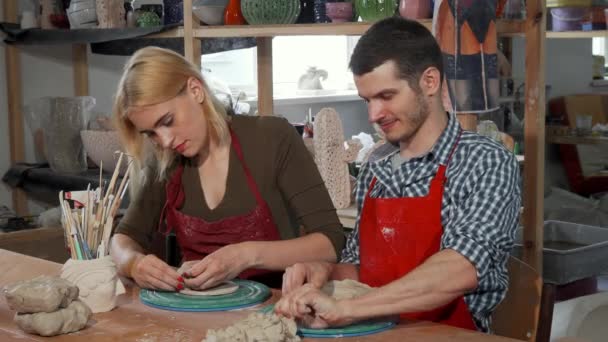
<point x="436" y="216"/>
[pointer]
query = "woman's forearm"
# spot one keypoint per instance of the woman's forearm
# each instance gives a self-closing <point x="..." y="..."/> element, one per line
<point x="125" y="251"/>
<point x="277" y="255"/>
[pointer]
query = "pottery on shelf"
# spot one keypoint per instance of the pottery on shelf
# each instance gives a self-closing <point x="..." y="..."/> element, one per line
<point x="415" y="9"/>
<point x="307" y="13"/>
<point x="82" y="14"/>
<point x="260" y="12"/>
<point x="373" y="10"/>
<point x="111" y="14"/>
<point x="339" y="12"/>
<point x="233" y="14"/>
<point x="320" y="12"/>
<point x="173" y="11"/>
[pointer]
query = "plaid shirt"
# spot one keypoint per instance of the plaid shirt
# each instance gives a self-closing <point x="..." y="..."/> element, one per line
<point x="479" y="212"/>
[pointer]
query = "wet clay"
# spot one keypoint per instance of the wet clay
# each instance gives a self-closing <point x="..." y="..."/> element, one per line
<point x="63" y="321"/>
<point x="41" y="294"/>
<point x="257" y="327"/>
<point x="224" y="288"/>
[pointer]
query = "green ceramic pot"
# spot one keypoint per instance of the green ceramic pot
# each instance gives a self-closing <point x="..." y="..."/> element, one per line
<point x="372" y="10"/>
<point x="260" y="12"/>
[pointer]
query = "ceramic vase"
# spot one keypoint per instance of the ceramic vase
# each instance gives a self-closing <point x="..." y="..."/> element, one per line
<point x="173" y="11"/>
<point x="307" y="14"/>
<point x="320" y="11"/>
<point x="233" y="14"/>
<point x="260" y="12"/>
<point x="415" y="9"/>
<point x="372" y="10"/>
<point x="339" y="12"/>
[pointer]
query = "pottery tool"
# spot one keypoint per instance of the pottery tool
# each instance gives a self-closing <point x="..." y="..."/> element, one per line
<point x="357" y="329"/>
<point x="88" y="225"/>
<point x="249" y="293"/>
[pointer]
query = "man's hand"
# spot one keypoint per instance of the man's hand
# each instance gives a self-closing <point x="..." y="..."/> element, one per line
<point x="314" y="273"/>
<point x="224" y="264"/>
<point x="313" y="308"/>
<point x="150" y="272"/>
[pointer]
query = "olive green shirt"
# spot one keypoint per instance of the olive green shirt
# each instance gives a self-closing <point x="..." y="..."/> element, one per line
<point x="284" y="172"/>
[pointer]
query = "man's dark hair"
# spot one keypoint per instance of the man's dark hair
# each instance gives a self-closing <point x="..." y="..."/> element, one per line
<point x="406" y="42"/>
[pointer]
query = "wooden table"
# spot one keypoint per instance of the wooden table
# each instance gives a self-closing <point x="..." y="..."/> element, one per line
<point x="133" y="321"/>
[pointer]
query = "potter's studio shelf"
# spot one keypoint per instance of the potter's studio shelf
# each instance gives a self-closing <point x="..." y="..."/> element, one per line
<point x="357" y="28"/>
<point x="576" y="140"/>
<point x="578" y="34"/>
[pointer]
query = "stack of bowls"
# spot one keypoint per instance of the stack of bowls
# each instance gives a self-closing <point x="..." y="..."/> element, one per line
<point x="82" y="14"/>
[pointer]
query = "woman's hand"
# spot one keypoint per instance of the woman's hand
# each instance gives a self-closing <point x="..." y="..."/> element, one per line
<point x="150" y="272"/>
<point x="224" y="264"/>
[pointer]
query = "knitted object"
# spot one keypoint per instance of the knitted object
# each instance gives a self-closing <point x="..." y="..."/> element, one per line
<point x="111" y="14"/>
<point x="332" y="158"/>
<point x="148" y="19"/>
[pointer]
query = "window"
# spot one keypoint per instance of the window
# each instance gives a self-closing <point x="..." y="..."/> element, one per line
<point x="292" y="56"/>
<point x="600" y="49"/>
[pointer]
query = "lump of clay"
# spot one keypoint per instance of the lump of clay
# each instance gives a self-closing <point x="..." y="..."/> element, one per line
<point x="257" y="327"/>
<point x="345" y="289"/>
<point x="41" y="294"/>
<point x="63" y="321"/>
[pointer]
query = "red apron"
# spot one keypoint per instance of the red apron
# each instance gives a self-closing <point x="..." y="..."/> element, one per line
<point x="397" y="235"/>
<point x="198" y="238"/>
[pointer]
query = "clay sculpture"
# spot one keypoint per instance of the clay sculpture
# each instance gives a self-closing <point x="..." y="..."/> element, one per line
<point x="332" y="157"/>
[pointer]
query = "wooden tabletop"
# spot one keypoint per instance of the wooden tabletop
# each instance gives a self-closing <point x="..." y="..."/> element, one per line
<point x="133" y="321"/>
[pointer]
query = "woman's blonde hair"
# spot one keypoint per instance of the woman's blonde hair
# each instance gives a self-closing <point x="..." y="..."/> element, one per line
<point x="151" y="76"/>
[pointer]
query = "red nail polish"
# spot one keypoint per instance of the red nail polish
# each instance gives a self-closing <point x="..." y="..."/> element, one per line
<point x="180" y="279"/>
<point x="180" y="286"/>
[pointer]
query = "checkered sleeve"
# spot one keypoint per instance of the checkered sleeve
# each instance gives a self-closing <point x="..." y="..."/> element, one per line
<point x="483" y="220"/>
<point x="350" y="254"/>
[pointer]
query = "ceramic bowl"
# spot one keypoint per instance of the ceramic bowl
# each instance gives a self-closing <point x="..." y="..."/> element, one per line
<point x="82" y="18"/>
<point x="210" y="14"/>
<point x="339" y="12"/>
<point x="101" y="146"/>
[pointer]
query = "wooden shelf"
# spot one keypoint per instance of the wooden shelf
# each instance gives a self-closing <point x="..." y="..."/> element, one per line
<point x="578" y="34"/>
<point x="357" y="28"/>
<point x="576" y="140"/>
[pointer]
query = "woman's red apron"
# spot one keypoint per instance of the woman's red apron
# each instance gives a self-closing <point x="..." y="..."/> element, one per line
<point x="197" y="238"/>
<point x="398" y="234"/>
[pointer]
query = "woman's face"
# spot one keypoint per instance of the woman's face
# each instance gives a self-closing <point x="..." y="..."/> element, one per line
<point x="177" y="124"/>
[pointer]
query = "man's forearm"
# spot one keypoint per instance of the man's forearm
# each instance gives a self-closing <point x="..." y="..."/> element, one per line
<point x="439" y="280"/>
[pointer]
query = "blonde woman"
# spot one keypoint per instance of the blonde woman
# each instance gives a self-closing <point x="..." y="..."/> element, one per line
<point x="233" y="189"/>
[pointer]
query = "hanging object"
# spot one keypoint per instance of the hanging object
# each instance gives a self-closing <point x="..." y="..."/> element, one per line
<point x="466" y="32"/>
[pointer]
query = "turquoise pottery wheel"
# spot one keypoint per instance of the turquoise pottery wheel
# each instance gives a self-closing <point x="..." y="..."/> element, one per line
<point x="249" y="293"/>
<point x="359" y="329"/>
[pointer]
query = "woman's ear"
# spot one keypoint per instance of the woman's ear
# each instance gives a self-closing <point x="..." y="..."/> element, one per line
<point x="195" y="87"/>
<point x="430" y="81"/>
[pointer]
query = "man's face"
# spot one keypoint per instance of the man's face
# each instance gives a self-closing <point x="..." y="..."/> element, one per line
<point x="395" y="107"/>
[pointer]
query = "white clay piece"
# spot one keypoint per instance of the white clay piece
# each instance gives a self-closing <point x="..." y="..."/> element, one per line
<point x="41" y="294"/>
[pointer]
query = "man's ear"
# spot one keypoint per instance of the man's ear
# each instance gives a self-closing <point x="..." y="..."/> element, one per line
<point x="430" y="82"/>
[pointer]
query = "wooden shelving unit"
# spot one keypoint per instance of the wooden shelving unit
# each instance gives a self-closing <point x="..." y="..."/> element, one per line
<point x="576" y="140"/>
<point x="532" y="28"/>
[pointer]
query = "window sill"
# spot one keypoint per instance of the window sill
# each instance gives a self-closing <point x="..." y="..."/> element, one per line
<point x="323" y="96"/>
<point x="599" y="83"/>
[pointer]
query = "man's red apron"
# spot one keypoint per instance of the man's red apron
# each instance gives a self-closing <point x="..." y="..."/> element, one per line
<point x="198" y="238"/>
<point x="397" y="235"/>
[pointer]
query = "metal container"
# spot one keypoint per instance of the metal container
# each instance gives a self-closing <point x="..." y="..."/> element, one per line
<point x="571" y="251"/>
